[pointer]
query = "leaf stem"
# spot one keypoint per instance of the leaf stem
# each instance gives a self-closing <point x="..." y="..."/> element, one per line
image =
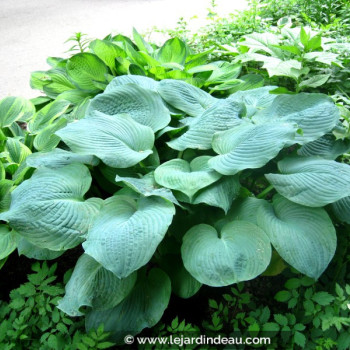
<point x="179" y="155"/>
<point x="265" y="192"/>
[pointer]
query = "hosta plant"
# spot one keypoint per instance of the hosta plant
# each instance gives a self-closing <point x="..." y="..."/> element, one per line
<point x="87" y="73"/>
<point x="168" y="188"/>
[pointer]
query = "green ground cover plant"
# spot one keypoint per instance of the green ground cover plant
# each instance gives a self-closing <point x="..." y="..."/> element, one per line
<point x="31" y="320"/>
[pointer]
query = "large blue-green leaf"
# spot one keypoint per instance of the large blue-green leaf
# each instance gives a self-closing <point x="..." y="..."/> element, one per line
<point x="142" y="308"/>
<point x="183" y="284"/>
<point x="304" y="237"/>
<point x="220" y="194"/>
<point x="117" y="140"/>
<point x="240" y="252"/>
<point x="189" y="178"/>
<point x="94" y="286"/>
<point x="57" y="158"/>
<point x="15" y="108"/>
<point x="143" y="105"/>
<point x="242" y="209"/>
<point x="255" y="99"/>
<point x="311" y="181"/>
<point x="8" y="241"/>
<point x="49" y="209"/>
<point x="126" y="233"/>
<point x="341" y="209"/>
<point x="31" y="251"/>
<point x="249" y="146"/>
<point x="326" y="147"/>
<point x="147" y="186"/>
<point x="144" y="82"/>
<point x="185" y="97"/>
<point x="315" y="114"/>
<point x="222" y="115"/>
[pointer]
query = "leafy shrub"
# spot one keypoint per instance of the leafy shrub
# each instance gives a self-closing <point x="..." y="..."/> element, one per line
<point x="87" y="73"/>
<point x="315" y="319"/>
<point x="32" y="321"/>
<point x="149" y="146"/>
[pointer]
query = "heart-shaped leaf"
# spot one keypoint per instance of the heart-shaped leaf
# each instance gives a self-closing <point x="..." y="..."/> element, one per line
<point x="310" y="181"/>
<point x="94" y="286"/>
<point x="221" y="116"/>
<point x="126" y="232"/>
<point x="57" y="158"/>
<point x="185" y="97"/>
<point x="255" y="99"/>
<point x="144" y="82"/>
<point x="117" y="140"/>
<point x="143" y="105"/>
<point x="249" y="146"/>
<point x="189" y="178"/>
<point x="49" y="209"/>
<point x="304" y="237"/>
<point x="147" y="186"/>
<point x="315" y="114"/>
<point x="142" y="308"/>
<point x="241" y="252"/>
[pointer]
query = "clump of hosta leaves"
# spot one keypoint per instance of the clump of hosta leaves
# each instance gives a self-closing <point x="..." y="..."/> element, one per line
<point x="168" y="188"/>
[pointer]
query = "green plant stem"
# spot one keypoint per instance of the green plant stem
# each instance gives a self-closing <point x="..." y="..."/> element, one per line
<point x="180" y="154"/>
<point x="265" y="192"/>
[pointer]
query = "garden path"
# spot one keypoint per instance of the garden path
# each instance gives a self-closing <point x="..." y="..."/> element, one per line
<point x="32" y="30"/>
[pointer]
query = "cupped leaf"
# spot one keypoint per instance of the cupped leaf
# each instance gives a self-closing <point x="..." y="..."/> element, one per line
<point x="144" y="106"/>
<point x="147" y="186"/>
<point x="222" y="115"/>
<point x="13" y="109"/>
<point x="189" y="178"/>
<point x="144" y="82"/>
<point x="241" y="252"/>
<point x="311" y="181"/>
<point x="255" y="99"/>
<point x="185" y="97"/>
<point x="31" y="251"/>
<point x="220" y="194"/>
<point x="341" y="209"/>
<point x="249" y="146"/>
<point x="86" y="68"/>
<point x="142" y="308"/>
<point x="58" y="158"/>
<point x="315" y="114"/>
<point x="304" y="237"/>
<point x="49" y="209"/>
<point x="326" y="147"/>
<point x="242" y="209"/>
<point x="183" y="284"/>
<point x="126" y="232"/>
<point x="117" y="140"/>
<point x="93" y="286"/>
<point x="8" y="241"/>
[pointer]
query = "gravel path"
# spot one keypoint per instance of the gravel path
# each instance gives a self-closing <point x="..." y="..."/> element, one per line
<point x="32" y="30"/>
